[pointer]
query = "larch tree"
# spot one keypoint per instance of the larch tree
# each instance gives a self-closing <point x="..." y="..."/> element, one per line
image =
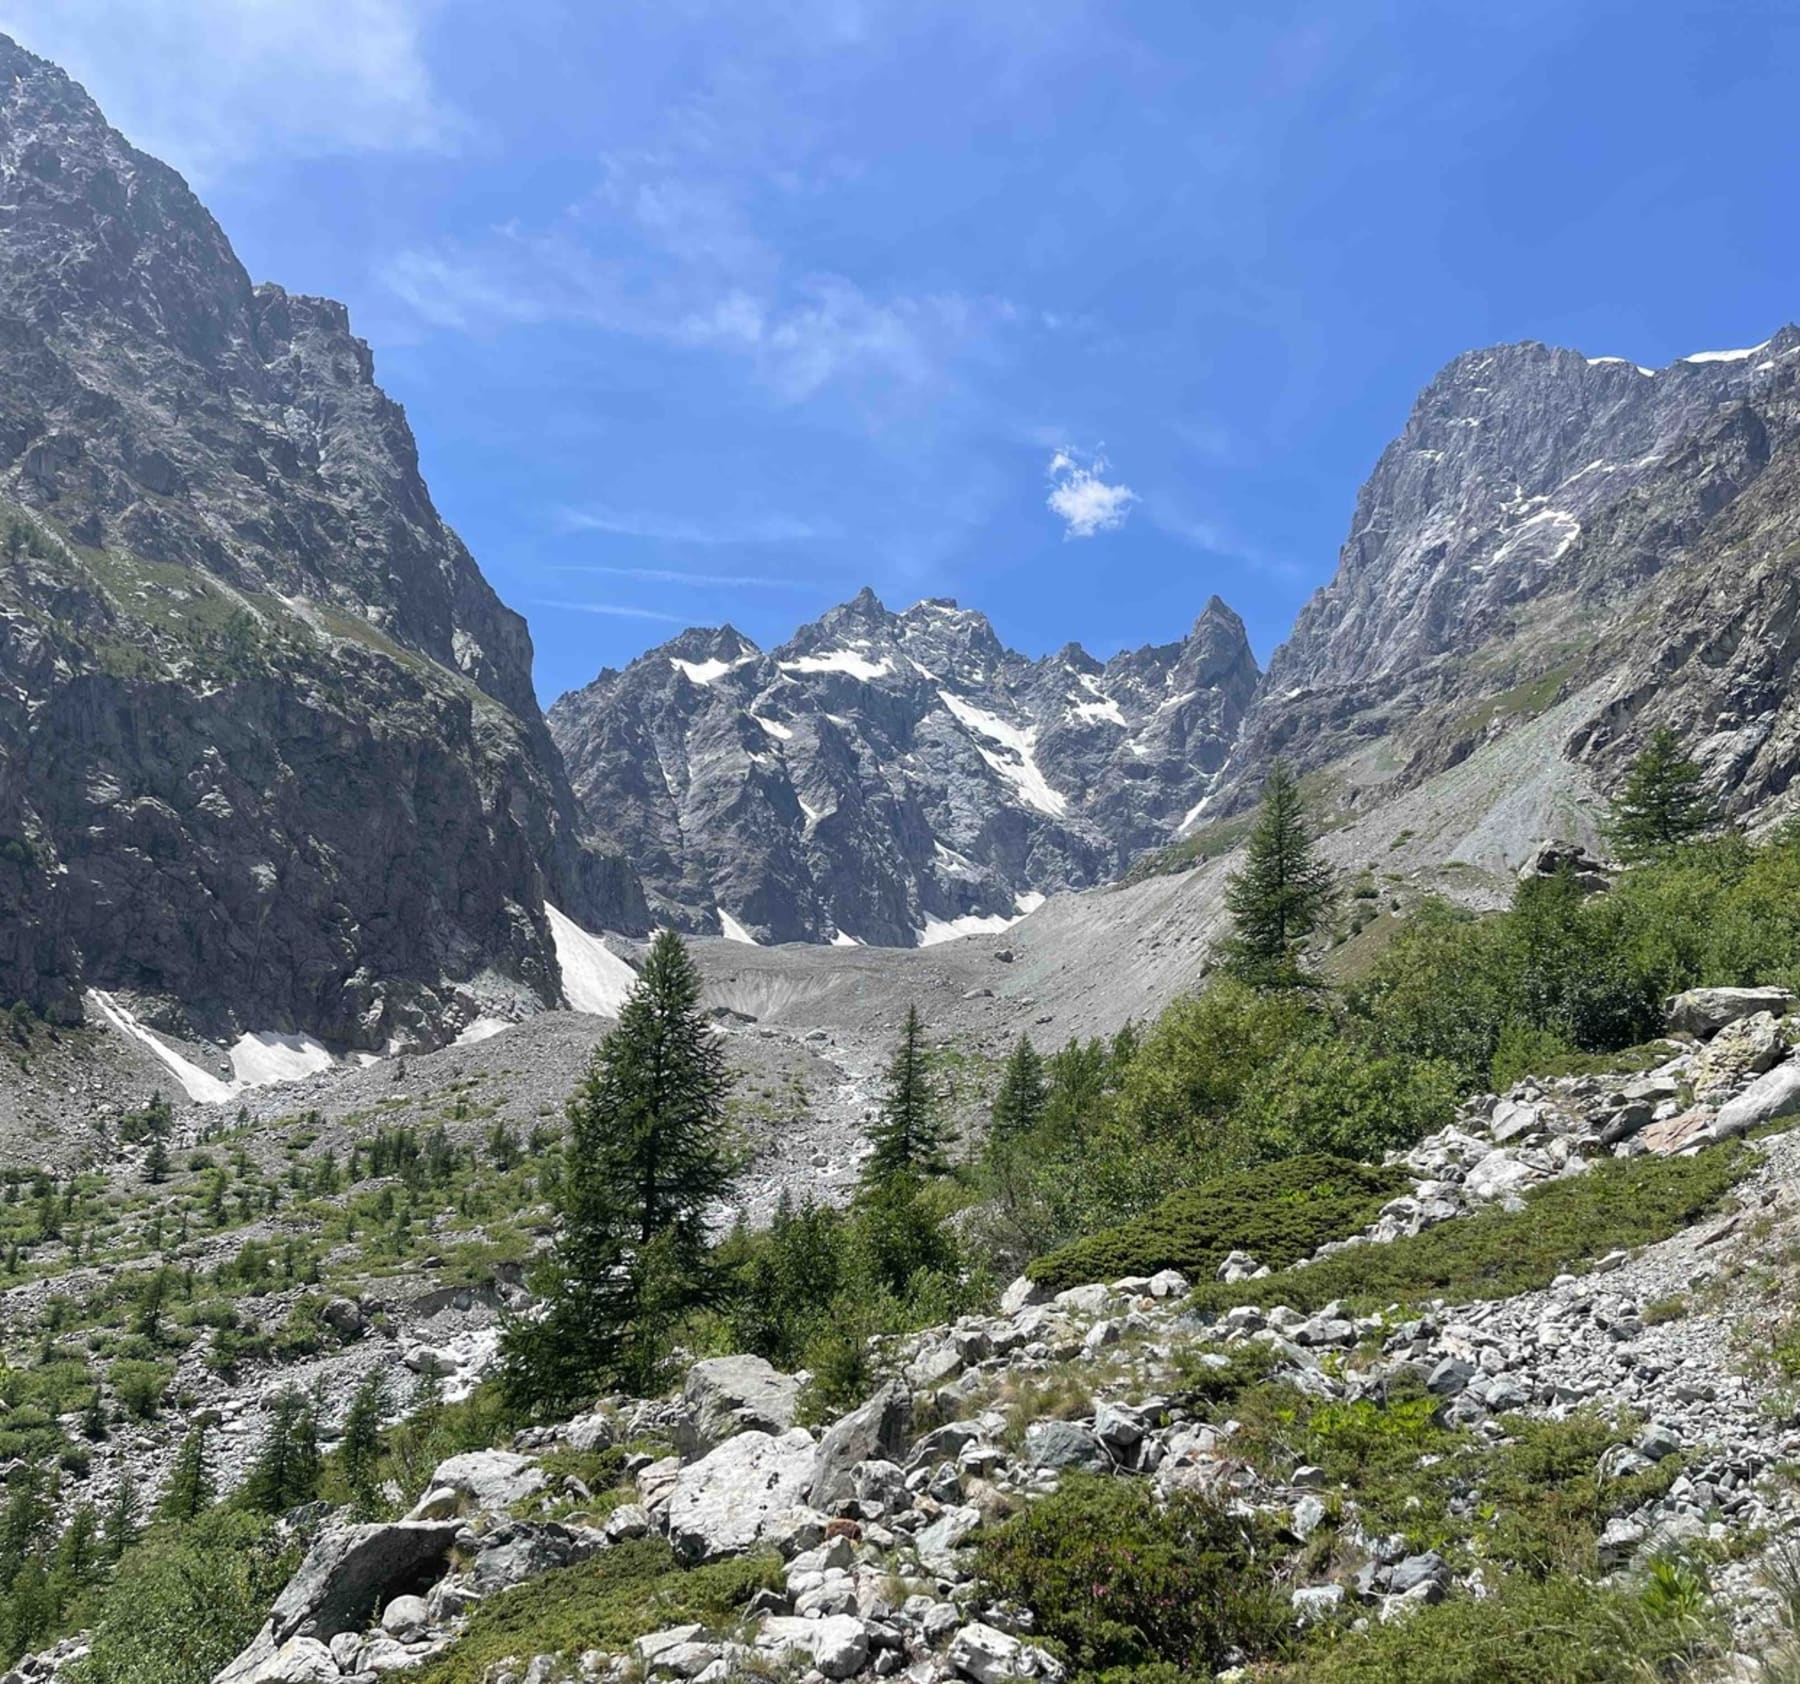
<point x="1662" y="802"/>
<point x="910" y="1136"/>
<point x="1283" y="891"/>
<point x="646" y="1155"/>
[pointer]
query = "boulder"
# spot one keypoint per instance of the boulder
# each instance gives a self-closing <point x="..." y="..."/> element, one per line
<point x="1064" y="1444"/>
<point x="938" y="1542"/>
<point x="837" y="1645"/>
<point x="347" y="1574"/>
<point x="1703" y="1012"/>
<point x="722" y="1503"/>
<point x="406" y="1617"/>
<point x="492" y="1480"/>
<point x="725" y="1396"/>
<point x="984" y="1654"/>
<point x="878" y="1431"/>
<point x="1775" y="1095"/>
<point x="1021" y="1295"/>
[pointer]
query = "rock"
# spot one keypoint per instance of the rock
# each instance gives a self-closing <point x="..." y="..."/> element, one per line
<point x="727" y="1395"/>
<point x="344" y="1317"/>
<point x="1021" y="1295"/>
<point x="984" y="1654"/>
<point x="837" y="1645"/>
<point x="1309" y="1516"/>
<point x="590" y="1432"/>
<point x="1170" y="1283"/>
<point x="520" y="1550"/>
<point x="492" y="1480"/>
<point x="346" y="1575"/>
<point x="722" y="1502"/>
<point x="878" y="1431"/>
<point x="939" y="1541"/>
<point x="1658" y="1442"/>
<point x="1064" y="1444"/>
<point x="1417" y="1570"/>
<point x="1776" y="1094"/>
<point x="1091" y="1300"/>
<point x="1703" y="1012"/>
<point x="406" y="1617"/>
<point x="1313" y="1603"/>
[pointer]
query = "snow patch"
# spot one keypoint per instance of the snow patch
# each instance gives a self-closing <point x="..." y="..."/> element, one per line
<point x="734" y="931"/>
<point x="261" y="1058"/>
<point x="1725" y="356"/>
<point x="706" y="672"/>
<point x="1018" y="764"/>
<point x="939" y="930"/>
<point x="482" y="1029"/>
<point x="1598" y="362"/>
<point x="595" y="979"/>
<point x="199" y="1085"/>
<point x="1106" y="709"/>
<point x="840" y="939"/>
<point x="1028" y="902"/>
<point x="839" y="660"/>
<point x="775" y="728"/>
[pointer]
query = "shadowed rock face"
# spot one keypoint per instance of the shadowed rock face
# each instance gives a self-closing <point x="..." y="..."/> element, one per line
<point x="883" y="772"/>
<point x="268" y="743"/>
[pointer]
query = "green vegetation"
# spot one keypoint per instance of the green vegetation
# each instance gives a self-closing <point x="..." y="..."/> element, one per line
<point x="647" y="1156"/>
<point x="1279" y="1213"/>
<point x="1496" y="1253"/>
<point x="1662" y="804"/>
<point x="1283" y="891"/>
<point x="1120" y="1580"/>
<point x="910" y="1136"/>
<point x="603" y="1603"/>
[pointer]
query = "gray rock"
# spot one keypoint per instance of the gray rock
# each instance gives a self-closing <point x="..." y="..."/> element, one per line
<point x="1064" y="1444"/>
<point x="984" y="1653"/>
<point x="1776" y="1094"/>
<point x="878" y="1430"/>
<point x="406" y="1617"/>
<point x="1705" y="1011"/>
<point x="1416" y="1570"/>
<point x="727" y="1395"/>
<point x="1313" y="1603"/>
<point x="722" y="1503"/>
<point x="492" y="1480"/>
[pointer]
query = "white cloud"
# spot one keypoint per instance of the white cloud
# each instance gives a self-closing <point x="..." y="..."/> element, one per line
<point x="1082" y="499"/>
<point x="203" y="83"/>
<point x="616" y="610"/>
<point x="681" y="529"/>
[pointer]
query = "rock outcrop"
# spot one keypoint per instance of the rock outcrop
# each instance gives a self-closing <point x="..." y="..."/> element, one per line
<point x="269" y="753"/>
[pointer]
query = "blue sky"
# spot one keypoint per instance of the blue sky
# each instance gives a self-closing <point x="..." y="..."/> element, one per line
<point x="713" y="310"/>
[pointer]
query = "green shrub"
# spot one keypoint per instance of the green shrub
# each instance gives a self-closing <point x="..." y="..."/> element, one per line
<point x="1496" y="1253"/>
<point x="139" y="1385"/>
<point x="1118" y="1579"/>
<point x="605" y="1603"/>
<point x="1279" y="1213"/>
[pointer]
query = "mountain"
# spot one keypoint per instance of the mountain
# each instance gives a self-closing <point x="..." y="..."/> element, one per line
<point x="1552" y="530"/>
<point x="891" y="778"/>
<point x="270" y="758"/>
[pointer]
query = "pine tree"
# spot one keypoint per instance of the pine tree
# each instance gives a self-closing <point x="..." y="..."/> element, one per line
<point x="190" y="1488"/>
<point x="1283" y="891"/>
<point x="910" y="1136"/>
<point x="1662" y="803"/>
<point x="121" y="1517"/>
<point x="362" y="1443"/>
<point x="1019" y="1105"/>
<point x="646" y="1156"/>
<point x="286" y="1471"/>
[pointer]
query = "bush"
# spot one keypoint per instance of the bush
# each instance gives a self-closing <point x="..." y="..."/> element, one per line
<point x="1118" y="1580"/>
<point x="605" y="1602"/>
<point x="139" y="1385"/>
<point x="1496" y="1253"/>
<point x="1278" y="1212"/>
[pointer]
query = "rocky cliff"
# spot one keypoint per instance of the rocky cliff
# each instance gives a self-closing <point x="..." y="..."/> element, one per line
<point x="1550" y="526"/>
<point x="269" y="752"/>
<point x="895" y="778"/>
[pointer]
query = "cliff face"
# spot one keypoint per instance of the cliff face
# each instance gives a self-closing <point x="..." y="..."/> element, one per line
<point x="1550" y="525"/>
<point x="268" y="744"/>
<point x="882" y="776"/>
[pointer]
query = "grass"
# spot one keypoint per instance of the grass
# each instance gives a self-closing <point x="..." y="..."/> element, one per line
<point x="1279" y="1213"/>
<point x="604" y="1603"/>
<point x="1618" y="1202"/>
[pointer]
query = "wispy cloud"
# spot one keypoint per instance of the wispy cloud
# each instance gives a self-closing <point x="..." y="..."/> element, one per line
<point x="615" y="610"/>
<point x="674" y="576"/>
<point x="1083" y="499"/>
<point x="676" y="529"/>
<point x="207" y="83"/>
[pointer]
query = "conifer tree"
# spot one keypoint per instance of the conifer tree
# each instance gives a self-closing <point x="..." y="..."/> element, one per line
<point x="286" y="1471"/>
<point x="1662" y="803"/>
<point x="1283" y="891"/>
<point x="362" y="1442"/>
<point x="121" y="1517"/>
<point x="910" y="1136"/>
<point x="645" y="1157"/>
<point x="1019" y="1105"/>
<point x="190" y="1488"/>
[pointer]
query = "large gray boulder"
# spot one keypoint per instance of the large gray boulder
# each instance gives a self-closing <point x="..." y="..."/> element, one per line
<point x="491" y="1480"/>
<point x="725" y="1396"/>
<point x="722" y="1503"/>
<point x="349" y="1573"/>
<point x="878" y="1431"/>
<point x="1775" y="1095"/>
<point x="1705" y="1011"/>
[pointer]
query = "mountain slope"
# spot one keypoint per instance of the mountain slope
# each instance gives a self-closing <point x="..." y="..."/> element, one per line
<point x="894" y="778"/>
<point x="269" y="753"/>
